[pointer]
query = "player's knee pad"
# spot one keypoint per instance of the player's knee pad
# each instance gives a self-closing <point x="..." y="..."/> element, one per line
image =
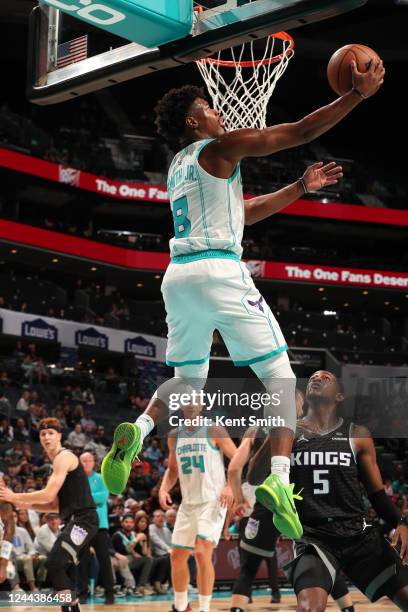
<point x="279" y="380"/>
<point x="187" y="382"/>
<point x="249" y="567"/>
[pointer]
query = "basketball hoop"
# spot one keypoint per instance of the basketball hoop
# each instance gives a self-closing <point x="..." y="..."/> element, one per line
<point x="240" y="85"/>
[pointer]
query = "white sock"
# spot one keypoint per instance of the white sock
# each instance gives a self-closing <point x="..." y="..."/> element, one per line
<point x="180" y="601"/>
<point x="204" y="603"/>
<point x="146" y="424"/>
<point x="280" y="466"/>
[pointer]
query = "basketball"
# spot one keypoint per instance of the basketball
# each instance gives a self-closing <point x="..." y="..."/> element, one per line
<point x="339" y="67"/>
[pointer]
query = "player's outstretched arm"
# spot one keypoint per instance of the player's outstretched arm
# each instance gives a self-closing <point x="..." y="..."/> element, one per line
<point x="52" y="507"/>
<point x="62" y="465"/>
<point x="316" y="177"/>
<point x="234" y="146"/>
<point x="170" y="477"/>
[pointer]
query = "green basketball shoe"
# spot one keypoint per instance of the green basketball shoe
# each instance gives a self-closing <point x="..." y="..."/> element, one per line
<point x="116" y="466"/>
<point x="279" y="499"/>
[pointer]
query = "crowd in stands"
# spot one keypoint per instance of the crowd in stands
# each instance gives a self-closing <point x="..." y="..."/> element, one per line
<point x="80" y="143"/>
<point x="140" y="531"/>
<point x="366" y="339"/>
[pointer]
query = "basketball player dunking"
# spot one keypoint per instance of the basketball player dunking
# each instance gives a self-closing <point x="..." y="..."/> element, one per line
<point x="67" y="492"/>
<point x="206" y="286"/>
<point x="196" y="459"/>
<point x="330" y="457"/>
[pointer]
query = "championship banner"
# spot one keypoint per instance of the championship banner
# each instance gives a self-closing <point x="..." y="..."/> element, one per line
<point x="145" y="192"/>
<point x="80" y="335"/>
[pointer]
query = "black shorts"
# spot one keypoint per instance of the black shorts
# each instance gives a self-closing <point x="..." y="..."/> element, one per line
<point x="366" y="558"/>
<point x="258" y="534"/>
<point x="78" y="532"/>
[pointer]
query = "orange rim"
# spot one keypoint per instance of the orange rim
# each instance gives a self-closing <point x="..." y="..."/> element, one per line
<point x="252" y="63"/>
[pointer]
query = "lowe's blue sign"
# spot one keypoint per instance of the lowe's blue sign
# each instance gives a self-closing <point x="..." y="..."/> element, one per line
<point x="148" y="22"/>
<point x="39" y="330"/>
<point x="91" y="338"/>
<point x="140" y="346"/>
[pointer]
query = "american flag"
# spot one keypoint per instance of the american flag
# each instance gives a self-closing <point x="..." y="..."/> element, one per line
<point x="72" y="51"/>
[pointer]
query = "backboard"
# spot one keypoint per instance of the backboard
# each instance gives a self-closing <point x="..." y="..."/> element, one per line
<point x="110" y="59"/>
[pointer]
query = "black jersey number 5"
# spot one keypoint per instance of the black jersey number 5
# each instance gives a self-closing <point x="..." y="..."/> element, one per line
<point x="321" y="482"/>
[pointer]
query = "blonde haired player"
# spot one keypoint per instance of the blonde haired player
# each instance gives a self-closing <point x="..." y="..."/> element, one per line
<point x="196" y="459"/>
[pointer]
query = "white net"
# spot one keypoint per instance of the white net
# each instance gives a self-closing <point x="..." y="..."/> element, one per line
<point x="241" y="84"/>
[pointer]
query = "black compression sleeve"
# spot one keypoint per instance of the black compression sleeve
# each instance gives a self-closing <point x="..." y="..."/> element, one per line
<point x="384" y="507"/>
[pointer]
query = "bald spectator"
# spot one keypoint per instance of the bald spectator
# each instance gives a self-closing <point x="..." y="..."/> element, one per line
<point x="101" y="542"/>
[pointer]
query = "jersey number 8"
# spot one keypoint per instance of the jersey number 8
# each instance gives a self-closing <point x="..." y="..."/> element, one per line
<point x="182" y="225"/>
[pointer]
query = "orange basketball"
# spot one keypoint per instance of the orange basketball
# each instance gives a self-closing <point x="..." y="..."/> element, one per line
<point x="339" y="69"/>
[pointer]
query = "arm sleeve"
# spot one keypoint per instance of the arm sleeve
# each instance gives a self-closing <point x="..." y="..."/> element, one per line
<point x="384" y="507"/>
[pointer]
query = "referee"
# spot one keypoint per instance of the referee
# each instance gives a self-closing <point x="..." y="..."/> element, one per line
<point x="101" y="541"/>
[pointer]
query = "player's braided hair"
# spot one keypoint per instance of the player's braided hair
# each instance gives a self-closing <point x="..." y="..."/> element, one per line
<point x="171" y="112"/>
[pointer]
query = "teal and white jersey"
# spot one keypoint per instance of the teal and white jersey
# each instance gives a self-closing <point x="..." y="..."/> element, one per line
<point x="208" y="212"/>
<point x="200" y="466"/>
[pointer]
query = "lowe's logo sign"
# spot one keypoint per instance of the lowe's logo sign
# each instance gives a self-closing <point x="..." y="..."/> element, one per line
<point x="92" y="338"/>
<point x="140" y="346"/>
<point x="39" y="329"/>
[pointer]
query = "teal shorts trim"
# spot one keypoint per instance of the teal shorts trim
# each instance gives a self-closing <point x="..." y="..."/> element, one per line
<point x="248" y="362"/>
<point x="180" y="546"/>
<point x="178" y="364"/>
<point x="212" y="253"/>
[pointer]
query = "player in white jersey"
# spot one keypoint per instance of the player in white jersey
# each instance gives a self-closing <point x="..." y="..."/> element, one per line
<point x="7" y="528"/>
<point x="196" y="458"/>
<point x="206" y="286"/>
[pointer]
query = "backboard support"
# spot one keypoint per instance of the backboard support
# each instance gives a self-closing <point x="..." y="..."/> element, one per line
<point x="221" y="27"/>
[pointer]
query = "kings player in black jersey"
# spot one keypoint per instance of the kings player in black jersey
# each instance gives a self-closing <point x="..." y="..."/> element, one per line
<point x="67" y="492"/>
<point x="257" y="532"/>
<point x="331" y="460"/>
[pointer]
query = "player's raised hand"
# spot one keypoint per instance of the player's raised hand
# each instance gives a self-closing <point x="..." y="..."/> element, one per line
<point x="400" y="540"/>
<point x="318" y="175"/>
<point x="165" y="500"/>
<point x="368" y="83"/>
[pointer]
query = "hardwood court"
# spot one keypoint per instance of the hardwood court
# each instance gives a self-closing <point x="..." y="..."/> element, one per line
<point x="260" y="604"/>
